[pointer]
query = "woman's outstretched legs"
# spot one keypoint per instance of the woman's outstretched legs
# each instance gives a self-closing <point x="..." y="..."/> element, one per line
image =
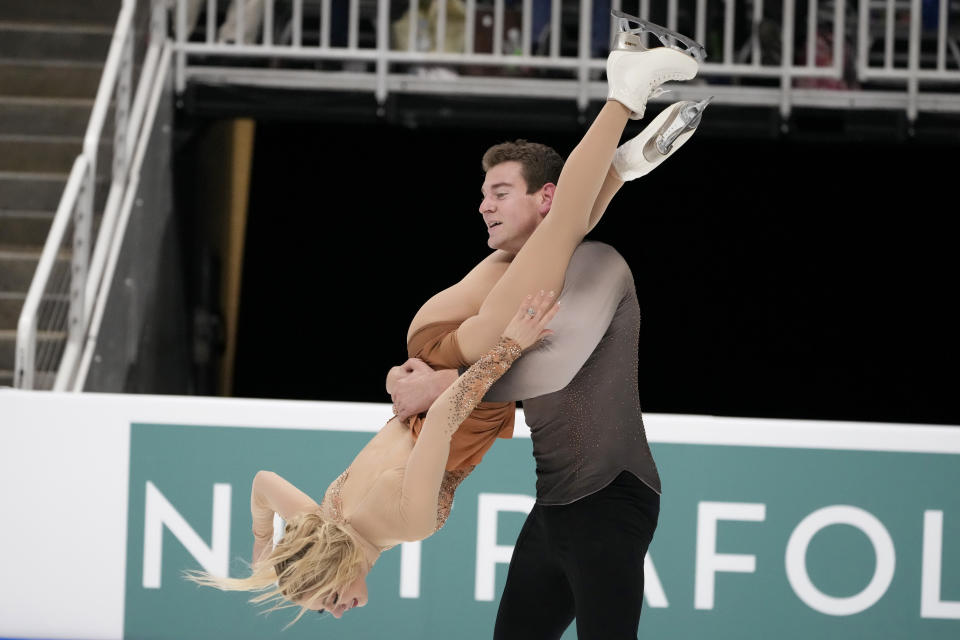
<point x="640" y="155"/>
<point x="611" y="185"/>
<point x="541" y="262"/>
<point x="543" y="259"/>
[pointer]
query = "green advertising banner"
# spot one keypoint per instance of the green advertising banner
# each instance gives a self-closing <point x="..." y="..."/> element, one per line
<point x="754" y="541"/>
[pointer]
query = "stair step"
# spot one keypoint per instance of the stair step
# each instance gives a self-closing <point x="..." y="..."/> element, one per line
<point x="47" y="117"/>
<point x="40" y="191"/>
<point x="37" y="192"/>
<point x="49" y="41"/>
<point x="10" y="306"/>
<point x="39" y="154"/>
<point x="48" y="154"/>
<point x="50" y="346"/>
<point x="25" y="228"/>
<point x="102" y="12"/>
<point x="12" y="303"/>
<point x="51" y="80"/>
<point x="17" y="268"/>
<point x="8" y="344"/>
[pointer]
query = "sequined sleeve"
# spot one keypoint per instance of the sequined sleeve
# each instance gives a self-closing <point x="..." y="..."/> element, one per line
<point x="427" y="490"/>
<point x="470" y="388"/>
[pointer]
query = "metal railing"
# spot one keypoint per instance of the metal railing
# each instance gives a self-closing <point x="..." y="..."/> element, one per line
<point x="918" y="46"/>
<point x="786" y="53"/>
<point x="51" y="364"/>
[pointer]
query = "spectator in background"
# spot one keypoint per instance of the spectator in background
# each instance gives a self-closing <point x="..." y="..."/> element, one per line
<point x="454" y="38"/>
<point x="253" y="16"/>
<point x="227" y="33"/>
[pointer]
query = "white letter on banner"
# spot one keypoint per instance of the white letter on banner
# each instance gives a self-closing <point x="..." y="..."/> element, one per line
<point x="796" y="560"/>
<point x="709" y="562"/>
<point x="489" y="553"/>
<point x="652" y="587"/>
<point x="931" y="606"/>
<point x="410" y="570"/>
<point x="215" y="559"/>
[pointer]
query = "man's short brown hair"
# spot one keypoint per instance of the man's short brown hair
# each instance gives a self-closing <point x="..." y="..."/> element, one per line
<point x="539" y="163"/>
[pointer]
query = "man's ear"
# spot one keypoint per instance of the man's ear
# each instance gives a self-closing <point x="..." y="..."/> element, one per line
<point x="546" y="197"/>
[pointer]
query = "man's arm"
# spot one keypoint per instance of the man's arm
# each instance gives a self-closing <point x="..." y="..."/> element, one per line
<point x="594" y="285"/>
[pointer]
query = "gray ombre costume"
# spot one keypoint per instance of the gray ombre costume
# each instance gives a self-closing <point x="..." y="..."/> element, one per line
<point x="580" y="554"/>
<point x="579" y="386"/>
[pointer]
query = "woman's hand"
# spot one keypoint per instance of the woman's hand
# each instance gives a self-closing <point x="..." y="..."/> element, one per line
<point x="535" y="313"/>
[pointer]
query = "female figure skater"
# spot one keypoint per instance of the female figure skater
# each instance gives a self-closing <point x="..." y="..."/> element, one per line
<point x="400" y="488"/>
<point x="394" y="491"/>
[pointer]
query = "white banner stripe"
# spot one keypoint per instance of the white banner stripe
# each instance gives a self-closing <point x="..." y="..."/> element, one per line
<point x="370" y="417"/>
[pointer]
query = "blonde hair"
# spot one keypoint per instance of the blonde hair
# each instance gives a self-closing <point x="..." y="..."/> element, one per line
<point x="315" y="559"/>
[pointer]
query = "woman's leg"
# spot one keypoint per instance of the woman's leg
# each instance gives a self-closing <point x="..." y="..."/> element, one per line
<point x="542" y="261"/>
<point x="611" y="185"/>
<point x="640" y="155"/>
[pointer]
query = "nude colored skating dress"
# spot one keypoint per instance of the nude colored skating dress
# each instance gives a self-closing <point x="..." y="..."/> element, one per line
<point x="436" y="344"/>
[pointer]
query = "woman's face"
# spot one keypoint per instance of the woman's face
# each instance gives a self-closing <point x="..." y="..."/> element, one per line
<point x="355" y="595"/>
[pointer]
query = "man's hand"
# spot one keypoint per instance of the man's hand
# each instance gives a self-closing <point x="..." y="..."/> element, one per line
<point x="403" y="370"/>
<point x="415" y="386"/>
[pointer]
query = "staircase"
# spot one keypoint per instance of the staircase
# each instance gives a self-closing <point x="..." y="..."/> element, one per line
<point x="51" y="58"/>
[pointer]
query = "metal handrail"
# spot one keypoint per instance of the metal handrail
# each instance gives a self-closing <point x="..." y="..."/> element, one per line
<point x="77" y="201"/>
<point x="146" y="111"/>
<point x="110" y="234"/>
<point x="27" y="324"/>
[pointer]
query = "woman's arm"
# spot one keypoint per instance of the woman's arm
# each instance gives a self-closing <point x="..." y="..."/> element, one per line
<point x="272" y="494"/>
<point x="425" y="467"/>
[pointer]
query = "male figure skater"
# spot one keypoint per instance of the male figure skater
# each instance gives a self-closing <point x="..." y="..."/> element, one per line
<point x="581" y="551"/>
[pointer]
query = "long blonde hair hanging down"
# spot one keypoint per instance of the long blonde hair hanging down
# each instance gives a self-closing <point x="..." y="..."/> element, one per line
<point x="315" y="559"/>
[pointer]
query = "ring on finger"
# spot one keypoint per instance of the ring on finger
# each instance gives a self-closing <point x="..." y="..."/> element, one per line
<point x="531" y="311"/>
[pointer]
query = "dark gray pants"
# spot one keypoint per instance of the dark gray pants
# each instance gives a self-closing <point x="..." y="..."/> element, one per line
<point x="583" y="560"/>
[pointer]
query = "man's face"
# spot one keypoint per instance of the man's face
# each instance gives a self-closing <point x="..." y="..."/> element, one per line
<point x="510" y="213"/>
